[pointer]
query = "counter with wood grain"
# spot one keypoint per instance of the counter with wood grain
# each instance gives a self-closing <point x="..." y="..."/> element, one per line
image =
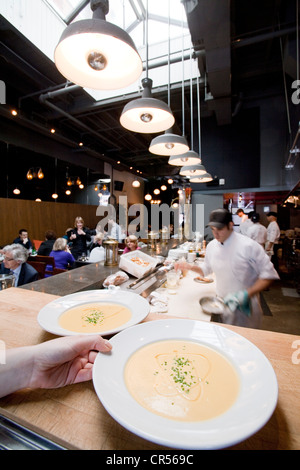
<point x="74" y="417"/>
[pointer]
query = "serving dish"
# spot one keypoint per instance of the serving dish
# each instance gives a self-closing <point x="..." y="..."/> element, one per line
<point x="253" y="407"/>
<point x="205" y="280"/>
<point x="213" y="305"/>
<point x="48" y="317"/>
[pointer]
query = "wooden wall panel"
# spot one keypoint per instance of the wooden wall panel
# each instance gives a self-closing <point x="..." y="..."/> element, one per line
<point x="37" y="217"/>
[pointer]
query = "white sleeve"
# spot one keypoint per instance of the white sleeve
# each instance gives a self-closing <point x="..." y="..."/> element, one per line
<point x="261" y="263"/>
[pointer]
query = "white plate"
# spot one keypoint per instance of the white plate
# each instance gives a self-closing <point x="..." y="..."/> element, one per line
<point x="48" y="316"/>
<point x="201" y="281"/>
<point x="254" y="406"/>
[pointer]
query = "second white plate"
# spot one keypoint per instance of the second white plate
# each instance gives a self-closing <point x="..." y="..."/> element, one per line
<point x="48" y="317"/>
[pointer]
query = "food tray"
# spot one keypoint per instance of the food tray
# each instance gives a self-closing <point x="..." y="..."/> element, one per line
<point x="137" y="263"/>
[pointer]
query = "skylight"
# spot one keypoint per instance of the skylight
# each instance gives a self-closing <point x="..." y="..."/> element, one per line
<point x="130" y="15"/>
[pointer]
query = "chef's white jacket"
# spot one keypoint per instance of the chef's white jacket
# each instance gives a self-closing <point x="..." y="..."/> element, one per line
<point x="237" y="264"/>
<point x="258" y="232"/>
<point x="273" y="232"/>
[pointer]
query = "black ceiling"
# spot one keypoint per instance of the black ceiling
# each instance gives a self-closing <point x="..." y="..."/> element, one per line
<point x="242" y="47"/>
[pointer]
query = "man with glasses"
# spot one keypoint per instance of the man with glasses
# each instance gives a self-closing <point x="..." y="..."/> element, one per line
<point x="14" y="262"/>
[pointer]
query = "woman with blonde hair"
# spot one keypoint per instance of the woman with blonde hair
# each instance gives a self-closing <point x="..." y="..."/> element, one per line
<point x="79" y="236"/>
<point x="61" y="254"/>
<point x="131" y="244"/>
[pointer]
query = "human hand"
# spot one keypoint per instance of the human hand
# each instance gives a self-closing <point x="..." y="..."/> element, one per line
<point x="182" y="266"/>
<point x="239" y="300"/>
<point x="67" y="360"/>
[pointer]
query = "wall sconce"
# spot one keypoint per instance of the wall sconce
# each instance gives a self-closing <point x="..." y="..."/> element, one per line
<point x="35" y="173"/>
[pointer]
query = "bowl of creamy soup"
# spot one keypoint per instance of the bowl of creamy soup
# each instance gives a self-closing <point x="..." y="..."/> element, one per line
<point x="186" y="384"/>
<point x="182" y="380"/>
<point x="95" y="317"/>
<point x="89" y="312"/>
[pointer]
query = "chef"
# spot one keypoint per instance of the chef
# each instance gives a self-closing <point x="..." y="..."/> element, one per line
<point x="242" y="270"/>
<point x="273" y="236"/>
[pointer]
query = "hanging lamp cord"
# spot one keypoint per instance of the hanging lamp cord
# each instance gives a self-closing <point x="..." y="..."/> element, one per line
<point x="199" y="122"/>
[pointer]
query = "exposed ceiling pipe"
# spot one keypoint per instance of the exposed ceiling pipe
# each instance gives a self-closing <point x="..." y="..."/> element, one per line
<point x="44" y="100"/>
<point x="262" y="37"/>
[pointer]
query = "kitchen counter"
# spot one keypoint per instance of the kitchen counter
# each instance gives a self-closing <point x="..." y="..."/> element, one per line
<point x="90" y="276"/>
<point x="74" y="418"/>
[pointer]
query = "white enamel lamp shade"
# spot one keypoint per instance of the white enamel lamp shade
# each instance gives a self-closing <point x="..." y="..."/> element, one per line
<point x="99" y="55"/>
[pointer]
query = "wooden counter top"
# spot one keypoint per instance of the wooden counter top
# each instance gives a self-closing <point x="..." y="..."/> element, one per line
<point x="74" y="417"/>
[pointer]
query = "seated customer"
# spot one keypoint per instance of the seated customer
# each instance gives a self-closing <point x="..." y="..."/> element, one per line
<point x="61" y="254"/>
<point x="23" y="239"/>
<point x="15" y="257"/>
<point x="98" y="252"/>
<point x="47" y="246"/>
<point x="131" y="244"/>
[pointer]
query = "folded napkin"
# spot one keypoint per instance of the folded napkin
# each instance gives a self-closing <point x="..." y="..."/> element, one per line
<point x="158" y="302"/>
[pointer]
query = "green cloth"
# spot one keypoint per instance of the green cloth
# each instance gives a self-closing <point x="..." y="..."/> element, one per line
<point x="239" y="300"/>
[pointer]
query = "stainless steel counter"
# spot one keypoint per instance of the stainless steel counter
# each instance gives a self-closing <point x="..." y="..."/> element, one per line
<point x="90" y="276"/>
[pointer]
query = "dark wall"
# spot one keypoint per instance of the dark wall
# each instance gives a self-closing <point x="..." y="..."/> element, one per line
<point x="16" y="161"/>
<point x="233" y="152"/>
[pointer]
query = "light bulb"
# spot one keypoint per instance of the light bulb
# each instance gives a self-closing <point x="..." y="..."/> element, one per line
<point x="40" y="174"/>
<point x="97" y="61"/>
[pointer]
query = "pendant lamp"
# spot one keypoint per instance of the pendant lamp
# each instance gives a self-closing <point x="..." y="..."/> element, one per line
<point x="205" y="178"/>
<point x="190" y="157"/>
<point x="147" y="115"/>
<point x="97" y="54"/>
<point x="169" y="143"/>
<point x="197" y="170"/>
<point x="192" y="170"/>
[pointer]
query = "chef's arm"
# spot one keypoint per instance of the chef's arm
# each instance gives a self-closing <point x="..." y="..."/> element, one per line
<point x="184" y="266"/>
<point x="258" y="286"/>
<point x="269" y="245"/>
